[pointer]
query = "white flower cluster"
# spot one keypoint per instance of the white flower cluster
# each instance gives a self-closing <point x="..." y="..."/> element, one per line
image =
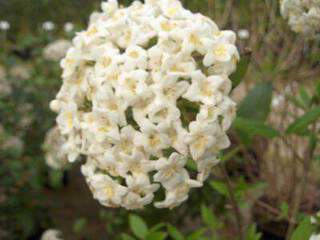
<point x="56" y="50"/>
<point x="303" y="16"/>
<point x="54" y="146"/>
<point x="145" y="88"/>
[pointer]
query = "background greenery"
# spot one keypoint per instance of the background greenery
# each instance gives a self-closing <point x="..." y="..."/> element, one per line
<point x="266" y="186"/>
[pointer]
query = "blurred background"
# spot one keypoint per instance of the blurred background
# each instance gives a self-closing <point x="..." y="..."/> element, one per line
<point x="267" y="184"/>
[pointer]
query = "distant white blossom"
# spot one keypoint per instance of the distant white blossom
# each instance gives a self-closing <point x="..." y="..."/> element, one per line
<point x="13" y="143"/>
<point x="303" y="16"/>
<point x="56" y="50"/>
<point x="68" y="27"/>
<point x="315" y="237"/>
<point x="48" y="26"/>
<point x="56" y="151"/>
<point x="4" y="25"/>
<point x="243" y="34"/>
<point x="51" y="234"/>
<point x="20" y="72"/>
<point x="145" y="89"/>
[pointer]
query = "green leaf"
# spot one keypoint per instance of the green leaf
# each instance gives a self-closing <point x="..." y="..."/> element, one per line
<point x="256" y="105"/>
<point x="207" y="217"/>
<point x="157" y="227"/>
<point x="318" y="88"/>
<point x="174" y="232"/>
<point x="220" y="187"/>
<point x="284" y="209"/>
<point x="252" y="233"/>
<point x="156" y="236"/>
<point x="192" y="165"/>
<point x="304" y="97"/>
<point x="304" y="230"/>
<point x="254" y="128"/>
<point x="126" y="237"/>
<point x="56" y="178"/>
<point x="138" y="226"/>
<point x="300" y="125"/>
<point x="197" y="235"/>
<point x="79" y="225"/>
<point x="242" y="68"/>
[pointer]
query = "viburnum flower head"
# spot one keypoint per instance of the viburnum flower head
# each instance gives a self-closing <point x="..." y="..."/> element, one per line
<point x="303" y="16"/>
<point x="145" y="90"/>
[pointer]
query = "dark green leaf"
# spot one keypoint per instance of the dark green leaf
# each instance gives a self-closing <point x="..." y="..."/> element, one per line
<point x="138" y="226"/>
<point x="254" y="128"/>
<point x="300" y="125"/>
<point x="55" y="178"/>
<point x="220" y="187"/>
<point x="256" y="104"/>
<point x="242" y="68"/>
<point x="156" y="236"/>
<point x="79" y="225"/>
<point x="157" y="227"/>
<point x="305" y="97"/>
<point x="174" y="232"/>
<point x="208" y="217"/>
<point x="197" y="235"/>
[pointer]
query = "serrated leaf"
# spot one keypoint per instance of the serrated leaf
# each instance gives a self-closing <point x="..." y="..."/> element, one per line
<point x="174" y="232"/>
<point x="304" y="230"/>
<point x="242" y="68"/>
<point x="254" y="128"/>
<point x="138" y="226"/>
<point x="256" y="105"/>
<point x="300" y="125"/>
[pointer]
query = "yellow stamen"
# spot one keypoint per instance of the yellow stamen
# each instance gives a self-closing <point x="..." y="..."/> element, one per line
<point x="220" y="51"/>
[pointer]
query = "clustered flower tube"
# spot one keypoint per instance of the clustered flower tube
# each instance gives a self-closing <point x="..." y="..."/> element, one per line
<point x="146" y="89"/>
<point x="303" y="16"/>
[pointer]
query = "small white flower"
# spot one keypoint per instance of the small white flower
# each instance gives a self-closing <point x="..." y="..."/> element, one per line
<point x="208" y="90"/>
<point x="108" y="191"/>
<point x="201" y="138"/>
<point x="56" y="154"/>
<point x="48" y="26"/>
<point x="56" y="50"/>
<point x="51" y="234"/>
<point x="4" y="25"/>
<point x="68" y="27"/>
<point x="315" y="237"/>
<point x="171" y="168"/>
<point x="243" y="34"/>
<point x="140" y="191"/>
<point x="220" y="53"/>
